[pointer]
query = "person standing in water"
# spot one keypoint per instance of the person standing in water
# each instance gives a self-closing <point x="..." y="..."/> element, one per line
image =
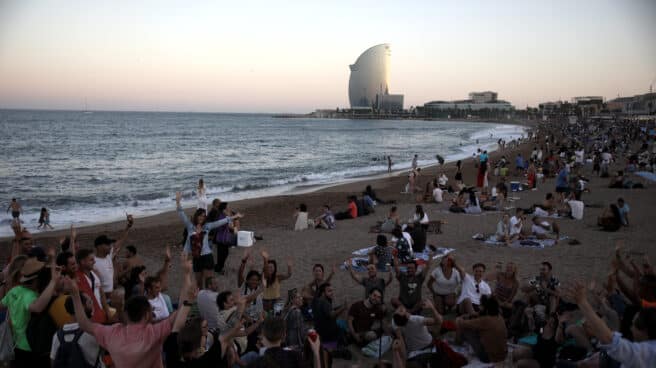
<point x="16" y="210"/>
<point x="201" y="194"/>
<point x="389" y="164"/>
<point x="44" y="219"/>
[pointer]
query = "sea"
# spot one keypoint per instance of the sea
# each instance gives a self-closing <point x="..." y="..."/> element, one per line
<point x="94" y="167"/>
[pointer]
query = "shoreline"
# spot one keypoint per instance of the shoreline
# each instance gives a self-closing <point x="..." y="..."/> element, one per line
<point x="287" y="190"/>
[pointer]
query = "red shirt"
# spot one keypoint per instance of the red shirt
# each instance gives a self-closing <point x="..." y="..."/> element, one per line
<point x="353" y="209"/>
<point x="93" y="292"/>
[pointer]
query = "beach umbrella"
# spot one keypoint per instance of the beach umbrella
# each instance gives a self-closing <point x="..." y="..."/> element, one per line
<point x="440" y="159"/>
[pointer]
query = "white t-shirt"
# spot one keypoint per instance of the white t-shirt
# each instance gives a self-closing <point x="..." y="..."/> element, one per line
<point x="514" y="227"/>
<point x="606" y="157"/>
<point x="538" y="230"/>
<point x="423" y="220"/>
<point x="207" y="307"/>
<point x="442" y="285"/>
<point x="415" y="333"/>
<point x="87" y="343"/>
<point x="469" y="290"/>
<point x="442" y="180"/>
<point x="160" y="309"/>
<point x="437" y="195"/>
<point x="105" y="269"/>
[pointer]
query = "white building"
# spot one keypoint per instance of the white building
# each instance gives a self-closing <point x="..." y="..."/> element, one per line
<point x="483" y="97"/>
<point x="370" y="79"/>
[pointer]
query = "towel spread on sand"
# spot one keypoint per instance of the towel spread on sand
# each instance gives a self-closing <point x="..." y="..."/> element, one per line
<point x="531" y="242"/>
<point x="361" y="259"/>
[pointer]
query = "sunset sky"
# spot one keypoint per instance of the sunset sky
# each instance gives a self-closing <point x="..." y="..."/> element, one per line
<point x="293" y="56"/>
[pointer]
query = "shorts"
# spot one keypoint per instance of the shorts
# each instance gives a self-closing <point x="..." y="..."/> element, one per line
<point x="562" y="189"/>
<point x="204" y="262"/>
<point x="15" y="214"/>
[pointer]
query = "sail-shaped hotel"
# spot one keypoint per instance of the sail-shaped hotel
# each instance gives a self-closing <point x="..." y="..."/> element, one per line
<point x="369" y="81"/>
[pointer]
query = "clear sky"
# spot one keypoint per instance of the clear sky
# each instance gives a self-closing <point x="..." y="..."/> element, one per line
<point x="293" y="56"/>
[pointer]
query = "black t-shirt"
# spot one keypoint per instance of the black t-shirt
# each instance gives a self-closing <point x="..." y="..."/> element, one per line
<point x="363" y="317"/>
<point x="410" y="289"/>
<point x="211" y="359"/>
<point x="418" y="235"/>
<point x="324" y="322"/>
<point x="278" y="357"/>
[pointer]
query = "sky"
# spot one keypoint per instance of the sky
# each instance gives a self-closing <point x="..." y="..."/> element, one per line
<point x="293" y="56"/>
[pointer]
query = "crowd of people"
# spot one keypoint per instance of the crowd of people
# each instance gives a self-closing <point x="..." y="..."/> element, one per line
<point x="83" y="305"/>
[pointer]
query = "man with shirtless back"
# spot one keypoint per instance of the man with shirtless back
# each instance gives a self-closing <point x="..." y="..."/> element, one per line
<point x="16" y="209"/>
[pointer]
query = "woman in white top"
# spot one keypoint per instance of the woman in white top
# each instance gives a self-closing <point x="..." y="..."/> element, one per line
<point x="420" y="216"/>
<point x="301" y="218"/>
<point x="201" y="194"/>
<point x="443" y="283"/>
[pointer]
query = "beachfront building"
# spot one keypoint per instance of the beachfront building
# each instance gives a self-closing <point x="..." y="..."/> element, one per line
<point x="369" y="81"/>
<point x="483" y="97"/>
<point x="479" y="104"/>
<point x="644" y="104"/>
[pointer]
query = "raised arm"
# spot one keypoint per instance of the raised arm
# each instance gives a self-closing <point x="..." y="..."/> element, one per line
<point x="80" y="314"/>
<point x="242" y="268"/>
<point x="289" y="271"/>
<point x="163" y="273"/>
<point x="188" y="294"/>
<point x="354" y="276"/>
<point x="332" y="273"/>
<point x="437" y="317"/>
<point x="595" y="324"/>
<point x="459" y="268"/>
<point x="178" y="207"/>
<point x="118" y="245"/>
<point x="42" y="301"/>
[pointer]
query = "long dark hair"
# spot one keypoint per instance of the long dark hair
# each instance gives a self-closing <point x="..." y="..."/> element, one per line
<point x="194" y="218"/>
<point x="419" y="210"/>
<point x="272" y="276"/>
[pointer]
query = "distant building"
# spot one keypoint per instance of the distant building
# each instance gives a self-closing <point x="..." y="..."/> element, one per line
<point x="637" y="105"/>
<point x="588" y="105"/>
<point x="369" y="81"/>
<point x="484" y="104"/>
<point x="390" y="103"/>
<point x="483" y="97"/>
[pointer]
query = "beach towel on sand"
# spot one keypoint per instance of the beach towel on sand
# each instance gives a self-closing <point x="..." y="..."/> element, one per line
<point x="531" y="242"/>
<point x="361" y="257"/>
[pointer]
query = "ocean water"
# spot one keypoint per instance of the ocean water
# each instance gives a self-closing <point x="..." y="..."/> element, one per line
<point x="94" y="167"/>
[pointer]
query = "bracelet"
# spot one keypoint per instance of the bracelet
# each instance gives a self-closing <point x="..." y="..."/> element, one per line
<point x="187" y="303"/>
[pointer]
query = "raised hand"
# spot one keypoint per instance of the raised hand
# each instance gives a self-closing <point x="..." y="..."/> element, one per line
<point x="167" y="253"/>
<point x="576" y="292"/>
<point x="185" y="263"/>
<point x="192" y="293"/>
<point x="265" y="254"/>
<point x="427" y="304"/>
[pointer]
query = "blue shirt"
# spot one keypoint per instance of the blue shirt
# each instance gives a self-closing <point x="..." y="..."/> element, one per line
<point x="191" y="229"/>
<point x="561" y="180"/>
<point x="519" y="161"/>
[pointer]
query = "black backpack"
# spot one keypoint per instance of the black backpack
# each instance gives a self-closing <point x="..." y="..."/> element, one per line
<point x="70" y="354"/>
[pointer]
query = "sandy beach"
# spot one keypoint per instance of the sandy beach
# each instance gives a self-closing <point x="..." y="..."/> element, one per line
<point x="272" y="218"/>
